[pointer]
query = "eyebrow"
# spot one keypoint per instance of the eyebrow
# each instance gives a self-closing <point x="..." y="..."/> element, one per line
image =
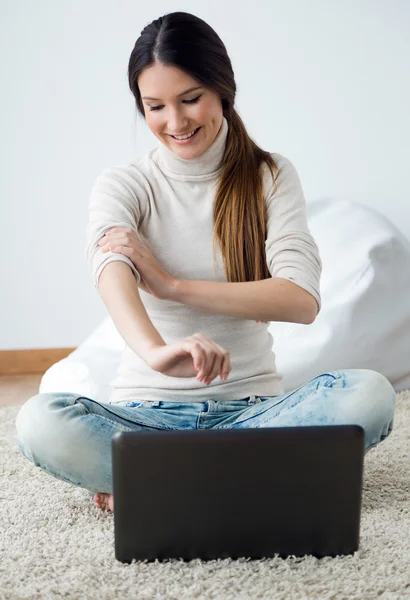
<point x="198" y="87"/>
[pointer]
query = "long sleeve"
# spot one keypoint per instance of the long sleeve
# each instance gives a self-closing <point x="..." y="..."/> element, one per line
<point x="114" y="201"/>
<point x="291" y="251"/>
<point x="169" y="202"/>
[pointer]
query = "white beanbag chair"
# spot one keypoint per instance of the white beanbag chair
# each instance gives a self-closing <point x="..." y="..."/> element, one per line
<point x="364" y="322"/>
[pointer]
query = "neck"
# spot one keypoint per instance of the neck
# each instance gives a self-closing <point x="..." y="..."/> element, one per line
<point x="207" y="163"/>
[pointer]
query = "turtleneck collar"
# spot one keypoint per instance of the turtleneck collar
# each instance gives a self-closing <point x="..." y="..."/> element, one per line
<point x="207" y="164"/>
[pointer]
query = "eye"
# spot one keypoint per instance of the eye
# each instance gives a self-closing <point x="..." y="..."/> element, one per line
<point x="193" y="101"/>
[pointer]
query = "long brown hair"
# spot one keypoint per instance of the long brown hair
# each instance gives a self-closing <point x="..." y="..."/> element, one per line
<point x="185" y="41"/>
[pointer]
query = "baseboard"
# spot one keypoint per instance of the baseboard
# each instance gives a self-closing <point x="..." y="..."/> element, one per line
<point x="14" y="362"/>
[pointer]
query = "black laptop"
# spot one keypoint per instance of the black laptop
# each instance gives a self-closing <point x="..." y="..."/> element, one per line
<point x="252" y="492"/>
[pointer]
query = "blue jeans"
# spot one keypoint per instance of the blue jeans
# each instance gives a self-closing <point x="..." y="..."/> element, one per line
<point x="69" y="436"/>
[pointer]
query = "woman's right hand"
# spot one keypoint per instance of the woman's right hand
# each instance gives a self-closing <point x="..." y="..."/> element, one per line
<point x="195" y="356"/>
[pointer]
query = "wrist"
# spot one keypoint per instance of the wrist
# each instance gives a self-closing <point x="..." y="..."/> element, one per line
<point x="150" y="354"/>
<point x="174" y="290"/>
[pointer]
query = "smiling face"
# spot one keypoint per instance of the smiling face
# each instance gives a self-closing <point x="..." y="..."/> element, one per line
<point x="169" y="111"/>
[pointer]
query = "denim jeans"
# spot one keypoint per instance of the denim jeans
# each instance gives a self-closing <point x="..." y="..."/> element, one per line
<point x="69" y="436"/>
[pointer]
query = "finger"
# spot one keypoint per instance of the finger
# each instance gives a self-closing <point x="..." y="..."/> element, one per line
<point x="208" y="354"/>
<point x="118" y="243"/>
<point x="124" y="239"/>
<point x="224" y="360"/>
<point x="108" y="238"/>
<point x="226" y="367"/>
<point x="108" y="246"/>
<point x="211" y="349"/>
<point x="121" y="250"/>
<point x="223" y="373"/>
<point x="207" y="377"/>
<point x="107" y="243"/>
<point x="205" y="364"/>
<point x="215" y="369"/>
<point x="214" y="358"/>
<point x="197" y="355"/>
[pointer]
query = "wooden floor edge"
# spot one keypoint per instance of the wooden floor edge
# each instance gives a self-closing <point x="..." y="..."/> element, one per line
<point x="16" y="362"/>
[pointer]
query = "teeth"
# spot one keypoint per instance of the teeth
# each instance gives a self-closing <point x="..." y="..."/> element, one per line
<point x="184" y="137"/>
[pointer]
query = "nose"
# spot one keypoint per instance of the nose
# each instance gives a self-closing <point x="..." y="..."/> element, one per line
<point x="177" y="122"/>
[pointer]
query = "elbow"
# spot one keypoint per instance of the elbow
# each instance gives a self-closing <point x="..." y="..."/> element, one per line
<point x="312" y="313"/>
<point x="310" y="321"/>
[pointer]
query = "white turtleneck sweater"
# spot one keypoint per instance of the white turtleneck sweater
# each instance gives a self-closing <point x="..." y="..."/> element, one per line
<point x="169" y="201"/>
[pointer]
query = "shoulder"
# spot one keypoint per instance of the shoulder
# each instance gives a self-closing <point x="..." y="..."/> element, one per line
<point x="285" y="174"/>
<point x="284" y="164"/>
<point x="127" y="179"/>
<point x="281" y="161"/>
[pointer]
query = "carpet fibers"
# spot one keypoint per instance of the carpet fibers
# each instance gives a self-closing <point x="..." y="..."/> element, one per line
<point x="54" y="543"/>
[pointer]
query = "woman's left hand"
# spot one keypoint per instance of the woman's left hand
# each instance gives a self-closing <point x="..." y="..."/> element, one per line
<point x="154" y="280"/>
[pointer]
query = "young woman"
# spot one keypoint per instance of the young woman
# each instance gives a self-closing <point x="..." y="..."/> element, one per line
<point x="194" y="248"/>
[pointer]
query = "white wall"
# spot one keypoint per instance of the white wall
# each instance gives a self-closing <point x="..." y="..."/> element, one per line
<point x="325" y="83"/>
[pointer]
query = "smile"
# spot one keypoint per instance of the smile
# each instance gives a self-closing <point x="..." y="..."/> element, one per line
<point x="187" y="136"/>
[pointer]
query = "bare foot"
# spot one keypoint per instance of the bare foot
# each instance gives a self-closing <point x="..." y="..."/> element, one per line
<point x="104" y="501"/>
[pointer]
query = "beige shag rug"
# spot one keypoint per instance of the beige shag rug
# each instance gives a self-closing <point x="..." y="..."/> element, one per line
<point x="54" y="543"/>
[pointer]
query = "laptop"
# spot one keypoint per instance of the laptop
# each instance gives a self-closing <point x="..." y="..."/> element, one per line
<point x="252" y="492"/>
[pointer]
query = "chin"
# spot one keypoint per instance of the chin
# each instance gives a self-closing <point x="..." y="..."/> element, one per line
<point x="188" y="153"/>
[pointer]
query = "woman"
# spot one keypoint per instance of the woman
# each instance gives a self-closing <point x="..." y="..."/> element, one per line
<point x="198" y="353"/>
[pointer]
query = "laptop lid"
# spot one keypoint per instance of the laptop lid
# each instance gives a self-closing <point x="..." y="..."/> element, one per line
<point x="251" y="492"/>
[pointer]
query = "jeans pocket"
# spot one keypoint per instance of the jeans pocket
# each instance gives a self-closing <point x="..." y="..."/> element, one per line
<point x="134" y="404"/>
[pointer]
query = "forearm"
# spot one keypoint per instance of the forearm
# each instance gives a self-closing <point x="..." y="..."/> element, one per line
<point x="119" y="291"/>
<point x="273" y="299"/>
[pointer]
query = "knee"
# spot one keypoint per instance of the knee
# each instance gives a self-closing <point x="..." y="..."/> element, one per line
<point x="37" y="417"/>
<point x="380" y="394"/>
<point x="30" y="413"/>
